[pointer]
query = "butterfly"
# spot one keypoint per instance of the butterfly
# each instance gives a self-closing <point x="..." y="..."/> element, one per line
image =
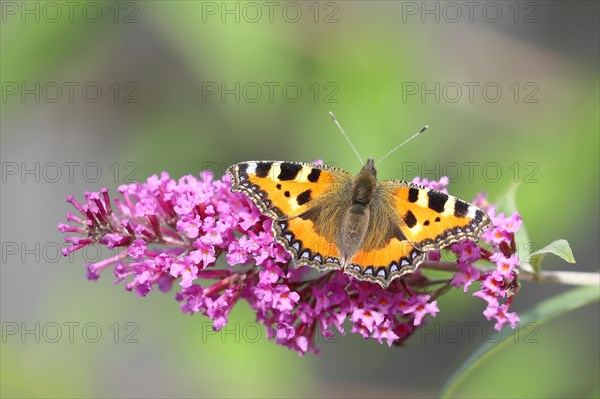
<point x="372" y="230"/>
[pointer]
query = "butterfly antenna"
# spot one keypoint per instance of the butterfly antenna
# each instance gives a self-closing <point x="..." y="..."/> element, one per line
<point x="401" y="144"/>
<point x="346" y="136"/>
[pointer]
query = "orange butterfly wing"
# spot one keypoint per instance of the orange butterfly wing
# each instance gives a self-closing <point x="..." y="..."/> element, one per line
<point x="308" y="248"/>
<point x="412" y="220"/>
<point x="285" y="192"/>
<point x="433" y="220"/>
<point x="396" y="258"/>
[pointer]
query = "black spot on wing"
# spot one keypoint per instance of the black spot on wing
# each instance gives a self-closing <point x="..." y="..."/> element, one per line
<point x="287" y="194"/>
<point x="461" y="208"/>
<point x="242" y="169"/>
<point x="289" y="171"/>
<point x="303" y="197"/>
<point x="479" y="215"/>
<point x="313" y="176"/>
<point x="437" y="201"/>
<point x="413" y="194"/>
<point x="263" y="168"/>
<point x="410" y="219"/>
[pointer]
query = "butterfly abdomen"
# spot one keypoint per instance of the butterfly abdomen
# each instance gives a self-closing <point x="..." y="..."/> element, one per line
<point x="353" y="229"/>
<point x="355" y="222"/>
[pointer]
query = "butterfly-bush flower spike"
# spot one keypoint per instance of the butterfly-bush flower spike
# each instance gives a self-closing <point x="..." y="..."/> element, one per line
<point x="166" y="233"/>
<point x="498" y="286"/>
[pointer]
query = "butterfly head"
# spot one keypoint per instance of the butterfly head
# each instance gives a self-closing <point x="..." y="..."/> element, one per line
<point x="365" y="183"/>
<point x="369" y="168"/>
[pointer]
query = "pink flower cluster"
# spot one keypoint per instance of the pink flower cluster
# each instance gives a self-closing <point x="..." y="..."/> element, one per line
<point x="501" y="283"/>
<point x="439" y="185"/>
<point x="165" y="230"/>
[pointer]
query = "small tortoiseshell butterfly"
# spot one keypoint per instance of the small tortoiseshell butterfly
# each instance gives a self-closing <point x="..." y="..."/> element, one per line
<point x="373" y="230"/>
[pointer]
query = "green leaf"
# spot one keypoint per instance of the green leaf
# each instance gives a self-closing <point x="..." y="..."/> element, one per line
<point x="529" y="254"/>
<point x="540" y="314"/>
<point x="560" y="248"/>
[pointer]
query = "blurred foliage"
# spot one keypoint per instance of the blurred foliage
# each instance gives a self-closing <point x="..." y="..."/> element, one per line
<point x="172" y="54"/>
<point x="526" y="333"/>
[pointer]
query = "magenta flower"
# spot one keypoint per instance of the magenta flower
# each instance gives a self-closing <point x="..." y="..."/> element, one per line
<point x="439" y="185"/>
<point x="137" y="250"/>
<point x="494" y="283"/>
<point x="167" y="231"/>
<point x="187" y="271"/>
<point x="190" y="225"/>
<point x="505" y="265"/>
<point x="489" y="297"/>
<point x="502" y="317"/>
<point x="465" y="277"/>
<point x="384" y="332"/>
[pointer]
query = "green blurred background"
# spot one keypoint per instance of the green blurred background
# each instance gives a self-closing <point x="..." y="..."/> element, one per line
<point x="186" y="86"/>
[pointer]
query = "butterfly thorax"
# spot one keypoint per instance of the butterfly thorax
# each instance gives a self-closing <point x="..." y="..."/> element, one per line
<point x="356" y="218"/>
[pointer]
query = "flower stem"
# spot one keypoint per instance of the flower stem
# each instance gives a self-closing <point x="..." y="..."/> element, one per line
<point x="562" y="277"/>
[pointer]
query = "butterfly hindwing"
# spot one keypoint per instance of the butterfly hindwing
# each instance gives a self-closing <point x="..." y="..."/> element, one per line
<point x="308" y="248"/>
<point x="385" y="253"/>
<point x="394" y="259"/>
<point x="431" y="219"/>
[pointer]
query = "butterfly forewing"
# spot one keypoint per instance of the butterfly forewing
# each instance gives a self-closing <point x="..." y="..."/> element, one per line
<point x="283" y="190"/>
<point x="431" y="219"/>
